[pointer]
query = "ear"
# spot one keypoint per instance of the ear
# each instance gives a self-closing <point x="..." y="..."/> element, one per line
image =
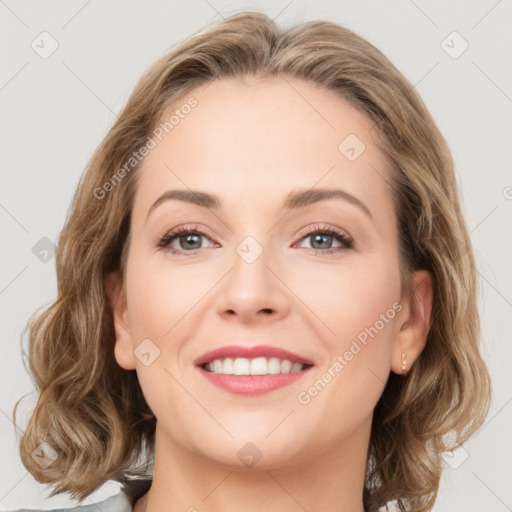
<point x="123" y="350"/>
<point x="414" y="323"/>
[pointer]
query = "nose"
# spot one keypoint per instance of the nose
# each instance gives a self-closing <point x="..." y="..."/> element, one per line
<point x="253" y="291"/>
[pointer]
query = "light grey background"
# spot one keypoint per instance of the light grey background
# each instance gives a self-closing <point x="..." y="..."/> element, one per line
<point x="56" y="110"/>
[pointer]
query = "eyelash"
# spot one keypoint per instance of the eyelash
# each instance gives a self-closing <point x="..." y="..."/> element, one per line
<point x="338" y="235"/>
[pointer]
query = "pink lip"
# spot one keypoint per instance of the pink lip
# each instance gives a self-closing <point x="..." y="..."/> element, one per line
<point x="250" y="353"/>
<point x="251" y="384"/>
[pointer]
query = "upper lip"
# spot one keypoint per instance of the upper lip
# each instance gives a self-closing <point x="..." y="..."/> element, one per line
<point x="235" y="351"/>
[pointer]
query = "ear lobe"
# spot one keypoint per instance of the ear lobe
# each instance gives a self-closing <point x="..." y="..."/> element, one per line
<point x="123" y="350"/>
<point x="415" y="323"/>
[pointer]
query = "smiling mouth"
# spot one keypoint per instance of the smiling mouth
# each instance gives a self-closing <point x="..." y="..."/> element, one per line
<point x="253" y="366"/>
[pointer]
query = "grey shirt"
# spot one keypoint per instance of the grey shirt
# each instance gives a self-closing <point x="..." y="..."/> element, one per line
<point x="121" y="502"/>
<point x="117" y="503"/>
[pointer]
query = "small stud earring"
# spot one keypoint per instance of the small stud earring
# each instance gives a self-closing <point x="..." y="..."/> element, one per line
<point x="404" y="356"/>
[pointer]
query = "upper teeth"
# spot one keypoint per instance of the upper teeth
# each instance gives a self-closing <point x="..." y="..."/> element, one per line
<point x="256" y="366"/>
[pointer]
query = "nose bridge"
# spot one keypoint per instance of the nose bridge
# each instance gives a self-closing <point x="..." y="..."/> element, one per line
<point x="251" y="288"/>
<point x="250" y="276"/>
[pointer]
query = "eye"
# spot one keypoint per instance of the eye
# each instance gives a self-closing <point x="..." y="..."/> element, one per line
<point x="187" y="238"/>
<point x="322" y="238"/>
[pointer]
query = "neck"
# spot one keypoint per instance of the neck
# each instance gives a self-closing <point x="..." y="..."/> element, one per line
<point x="187" y="481"/>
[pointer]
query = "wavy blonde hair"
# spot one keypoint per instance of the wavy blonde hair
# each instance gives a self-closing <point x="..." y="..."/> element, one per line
<point x="93" y="413"/>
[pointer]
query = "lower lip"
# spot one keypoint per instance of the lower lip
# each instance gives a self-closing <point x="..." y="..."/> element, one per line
<point x="252" y="384"/>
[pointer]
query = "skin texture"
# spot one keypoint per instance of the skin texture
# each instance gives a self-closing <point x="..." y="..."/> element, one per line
<point x="251" y="142"/>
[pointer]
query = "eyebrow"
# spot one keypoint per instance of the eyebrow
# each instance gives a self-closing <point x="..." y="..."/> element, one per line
<point x="294" y="200"/>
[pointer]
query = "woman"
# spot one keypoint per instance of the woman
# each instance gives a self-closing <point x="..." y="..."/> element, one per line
<point x="267" y="294"/>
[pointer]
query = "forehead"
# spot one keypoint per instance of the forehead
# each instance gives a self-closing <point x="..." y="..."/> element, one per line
<point x="253" y="138"/>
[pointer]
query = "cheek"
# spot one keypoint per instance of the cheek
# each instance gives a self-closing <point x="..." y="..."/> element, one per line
<point x="368" y="310"/>
<point x="349" y="300"/>
<point x="160" y="300"/>
<point x="160" y="294"/>
<point x="359" y="322"/>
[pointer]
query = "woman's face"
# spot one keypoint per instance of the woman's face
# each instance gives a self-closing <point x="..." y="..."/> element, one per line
<point x="274" y="257"/>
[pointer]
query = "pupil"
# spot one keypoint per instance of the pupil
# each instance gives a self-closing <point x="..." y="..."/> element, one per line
<point x="189" y="238"/>
<point x="320" y="238"/>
